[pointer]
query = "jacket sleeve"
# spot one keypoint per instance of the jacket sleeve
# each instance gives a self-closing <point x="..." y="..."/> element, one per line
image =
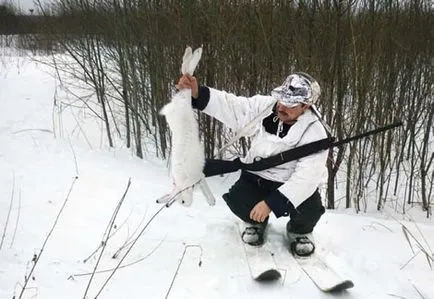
<point x="279" y="204"/>
<point x="308" y="174"/>
<point x="234" y="111"/>
<point x="304" y="181"/>
<point x="201" y="102"/>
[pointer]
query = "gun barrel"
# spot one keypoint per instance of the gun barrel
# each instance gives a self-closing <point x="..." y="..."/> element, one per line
<point x="366" y="134"/>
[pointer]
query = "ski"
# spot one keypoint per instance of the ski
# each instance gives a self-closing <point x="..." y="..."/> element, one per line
<point x="261" y="263"/>
<point x="260" y="260"/>
<point x="263" y="267"/>
<point x="324" y="277"/>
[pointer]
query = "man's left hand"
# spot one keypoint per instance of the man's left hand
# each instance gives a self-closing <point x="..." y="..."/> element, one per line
<point x="260" y="212"/>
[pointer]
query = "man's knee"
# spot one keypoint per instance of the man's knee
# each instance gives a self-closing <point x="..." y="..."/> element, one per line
<point x="241" y="198"/>
<point x="241" y="207"/>
<point x="307" y="215"/>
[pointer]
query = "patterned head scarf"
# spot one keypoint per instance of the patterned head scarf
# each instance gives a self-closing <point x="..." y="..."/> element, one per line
<point x="298" y="88"/>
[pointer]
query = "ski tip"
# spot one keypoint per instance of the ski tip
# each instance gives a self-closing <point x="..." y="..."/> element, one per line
<point x="346" y="284"/>
<point x="268" y="276"/>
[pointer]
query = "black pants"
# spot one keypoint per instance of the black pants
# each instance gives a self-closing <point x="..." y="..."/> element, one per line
<point x="251" y="189"/>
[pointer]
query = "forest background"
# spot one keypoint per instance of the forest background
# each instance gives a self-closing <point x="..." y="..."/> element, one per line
<point x="373" y="60"/>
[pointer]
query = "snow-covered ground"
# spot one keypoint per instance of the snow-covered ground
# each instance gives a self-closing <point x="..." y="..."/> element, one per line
<point x="185" y="252"/>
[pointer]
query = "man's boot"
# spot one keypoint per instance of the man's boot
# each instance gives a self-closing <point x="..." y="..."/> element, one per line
<point x="300" y="244"/>
<point x="253" y="234"/>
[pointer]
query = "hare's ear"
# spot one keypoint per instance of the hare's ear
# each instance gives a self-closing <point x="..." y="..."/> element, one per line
<point x="197" y="54"/>
<point x="190" y="60"/>
<point x="186" y="60"/>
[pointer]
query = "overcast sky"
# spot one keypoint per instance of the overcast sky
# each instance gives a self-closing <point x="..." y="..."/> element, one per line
<point x="25" y="5"/>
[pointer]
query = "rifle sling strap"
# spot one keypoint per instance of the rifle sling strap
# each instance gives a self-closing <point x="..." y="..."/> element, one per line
<point x="289" y="155"/>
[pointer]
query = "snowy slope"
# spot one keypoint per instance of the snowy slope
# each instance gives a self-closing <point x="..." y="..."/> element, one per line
<point x="38" y="170"/>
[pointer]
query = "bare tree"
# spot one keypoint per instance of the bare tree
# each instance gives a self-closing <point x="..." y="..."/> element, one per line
<point x="372" y="59"/>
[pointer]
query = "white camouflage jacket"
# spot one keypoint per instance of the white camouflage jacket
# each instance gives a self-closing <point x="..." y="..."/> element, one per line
<point x="301" y="177"/>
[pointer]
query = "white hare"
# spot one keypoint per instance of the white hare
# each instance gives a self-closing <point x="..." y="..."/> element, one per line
<point x="187" y="154"/>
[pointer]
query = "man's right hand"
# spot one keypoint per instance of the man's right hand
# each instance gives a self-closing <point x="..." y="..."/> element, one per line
<point x="188" y="81"/>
